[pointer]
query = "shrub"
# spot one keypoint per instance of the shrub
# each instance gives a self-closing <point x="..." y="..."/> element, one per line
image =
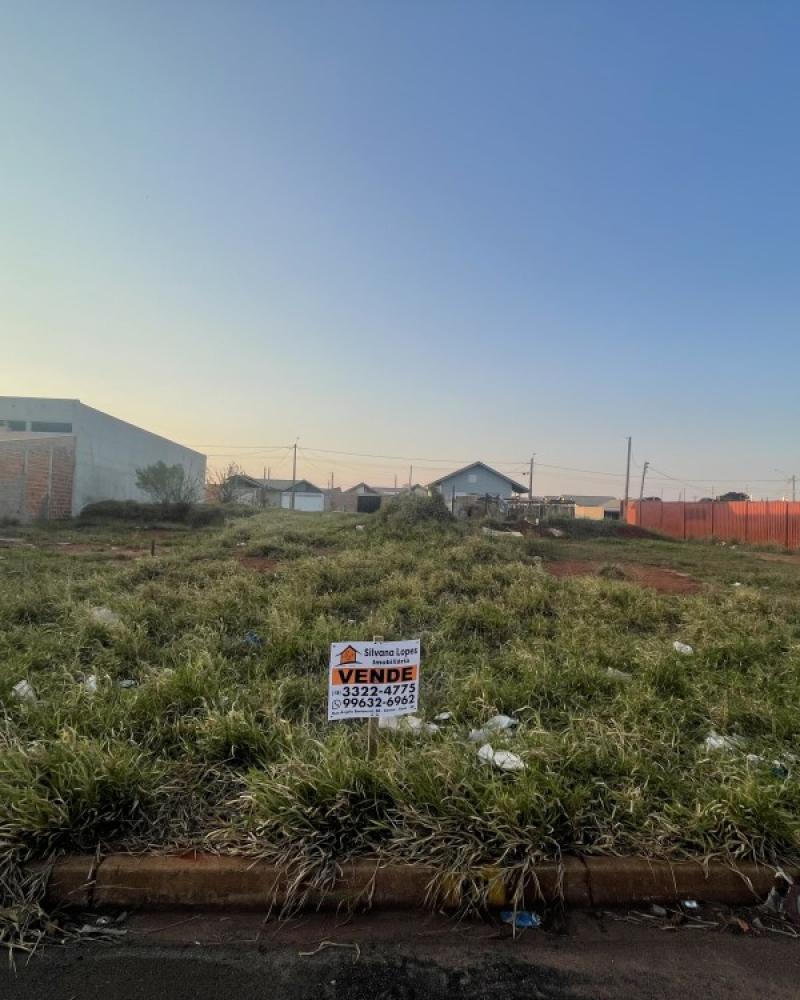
<point x="194" y="515"/>
<point x="409" y="510"/>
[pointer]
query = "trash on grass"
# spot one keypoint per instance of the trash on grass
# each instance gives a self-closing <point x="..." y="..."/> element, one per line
<point x="90" y="684"/>
<point x="521" y="920"/>
<point x="104" y="616"/>
<point x="619" y="675"/>
<point x="714" y="741"/>
<point x="23" y="691"/>
<point x="407" y="724"/>
<point x="252" y="639"/>
<point x="658" y="911"/>
<point x="502" y="759"/>
<point x="690" y="905"/>
<point x="682" y="648"/>
<point x="496" y="724"/>
<point x="359" y="527"/>
<point x="737" y="584"/>
<point x="128" y="682"/>
<point x="494" y="533"/>
<point x="443" y="717"/>
<point x="555" y="532"/>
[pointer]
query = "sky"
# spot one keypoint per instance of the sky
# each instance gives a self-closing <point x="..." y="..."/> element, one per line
<point x="416" y="233"/>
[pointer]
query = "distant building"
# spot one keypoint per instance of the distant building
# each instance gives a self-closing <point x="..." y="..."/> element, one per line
<point x="278" y="493"/>
<point x="596" y="508"/>
<point x="58" y="455"/>
<point x="477" y="480"/>
<point x="365" y="499"/>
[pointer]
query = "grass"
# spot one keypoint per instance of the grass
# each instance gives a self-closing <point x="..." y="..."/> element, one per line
<point x="223" y="741"/>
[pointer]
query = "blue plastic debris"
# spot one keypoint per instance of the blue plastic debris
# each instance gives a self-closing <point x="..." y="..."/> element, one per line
<point x="521" y="920"/>
<point x="253" y="639"/>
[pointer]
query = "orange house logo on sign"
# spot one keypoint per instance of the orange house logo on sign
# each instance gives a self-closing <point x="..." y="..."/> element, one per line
<point x="369" y="679"/>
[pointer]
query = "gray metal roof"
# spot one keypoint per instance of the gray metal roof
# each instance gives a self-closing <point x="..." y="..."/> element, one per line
<point x="517" y="487"/>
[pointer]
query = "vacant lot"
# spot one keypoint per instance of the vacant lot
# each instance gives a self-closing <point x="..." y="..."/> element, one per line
<point x="194" y="713"/>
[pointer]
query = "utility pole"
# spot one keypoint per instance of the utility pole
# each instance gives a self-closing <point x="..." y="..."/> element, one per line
<point x="331" y="479"/>
<point x="410" y="476"/>
<point x="530" y="480"/>
<point x="644" y="473"/>
<point x="794" y="489"/>
<point x="628" y="473"/>
<point x="294" y="472"/>
<point x="395" y="482"/>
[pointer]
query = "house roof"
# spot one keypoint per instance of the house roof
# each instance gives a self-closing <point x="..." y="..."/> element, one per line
<point x="515" y="486"/>
<point x="279" y="485"/>
<point x="366" y="486"/>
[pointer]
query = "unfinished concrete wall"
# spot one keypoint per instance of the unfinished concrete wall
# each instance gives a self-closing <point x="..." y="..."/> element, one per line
<point x="36" y="476"/>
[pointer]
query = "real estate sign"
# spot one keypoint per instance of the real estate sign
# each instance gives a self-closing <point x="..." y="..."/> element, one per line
<point x="369" y="679"/>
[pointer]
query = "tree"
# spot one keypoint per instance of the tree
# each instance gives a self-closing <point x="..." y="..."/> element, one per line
<point x="224" y="483"/>
<point x="167" y="483"/>
<point x="733" y="495"/>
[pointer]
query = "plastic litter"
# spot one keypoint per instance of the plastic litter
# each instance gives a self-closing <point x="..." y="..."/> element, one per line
<point x="502" y="759"/>
<point x="23" y="692"/>
<point x="496" y="724"/>
<point x="443" y="717"/>
<point x="359" y="527"/>
<point x="690" y="905"/>
<point x="90" y="684"/>
<point x="407" y="724"/>
<point x="104" y="616"/>
<point x="658" y="911"/>
<point x="494" y="533"/>
<point x="619" y="675"/>
<point x="737" y="584"/>
<point x="522" y="920"/>
<point x="556" y="532"/>
<point x="714" y="741"/>
<point x="128" y="682"/>
<point x="253" y="639"/>
<point x="682" y="648"/>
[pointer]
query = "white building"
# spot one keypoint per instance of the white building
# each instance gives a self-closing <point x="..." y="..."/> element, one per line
<point x="57" y="455"/>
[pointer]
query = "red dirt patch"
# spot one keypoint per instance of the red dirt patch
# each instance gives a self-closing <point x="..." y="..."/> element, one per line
<point x="110" y="551"/>
<point x="793" y="560"/>
<point x="666" y="581"/>
<point x="259" y="564"/>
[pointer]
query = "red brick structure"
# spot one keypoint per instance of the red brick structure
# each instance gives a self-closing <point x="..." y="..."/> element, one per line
<point x="36" y="476"/>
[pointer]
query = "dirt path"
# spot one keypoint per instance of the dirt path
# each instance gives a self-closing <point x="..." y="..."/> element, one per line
<point x="666" y="581"/>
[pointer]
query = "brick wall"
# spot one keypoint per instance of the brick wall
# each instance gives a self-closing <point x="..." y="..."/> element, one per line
<point x="36" y="477"/>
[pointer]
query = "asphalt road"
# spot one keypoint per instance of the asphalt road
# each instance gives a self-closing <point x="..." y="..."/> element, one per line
<point x="216" y="957"/>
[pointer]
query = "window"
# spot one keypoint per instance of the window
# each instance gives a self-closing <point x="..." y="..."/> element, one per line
<point x="472" y="477"/>
<point x="13" y="425"/>
<point x="49" y="427"/>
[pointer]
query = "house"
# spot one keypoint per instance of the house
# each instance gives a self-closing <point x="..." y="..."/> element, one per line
<point x="596" y="508"/>
<point x="365" y="499"/>
<point x="58" y="455"/>
<point x="476" y="480"/>
<point x="277" y="493"/>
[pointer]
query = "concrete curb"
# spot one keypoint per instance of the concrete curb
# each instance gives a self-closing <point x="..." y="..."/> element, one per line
<point x="206" y="881"/>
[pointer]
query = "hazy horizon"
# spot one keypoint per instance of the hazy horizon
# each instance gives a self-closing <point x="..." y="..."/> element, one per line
<point x="445" y="233"/>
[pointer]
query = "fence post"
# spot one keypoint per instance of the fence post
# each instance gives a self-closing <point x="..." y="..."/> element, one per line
<point x="786" y="509"/>
<point x="712" y="518"/>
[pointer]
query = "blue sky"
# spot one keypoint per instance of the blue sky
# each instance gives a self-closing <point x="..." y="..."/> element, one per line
<point x="428" y="229"/>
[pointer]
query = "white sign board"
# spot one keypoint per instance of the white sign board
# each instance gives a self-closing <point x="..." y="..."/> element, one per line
<point x="369" y="679"/>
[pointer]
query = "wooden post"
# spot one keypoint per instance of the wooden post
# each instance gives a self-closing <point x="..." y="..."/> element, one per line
<point x="373" y="732"/>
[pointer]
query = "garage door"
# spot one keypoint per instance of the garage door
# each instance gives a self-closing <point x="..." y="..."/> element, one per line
<point x="304" y="501"/>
